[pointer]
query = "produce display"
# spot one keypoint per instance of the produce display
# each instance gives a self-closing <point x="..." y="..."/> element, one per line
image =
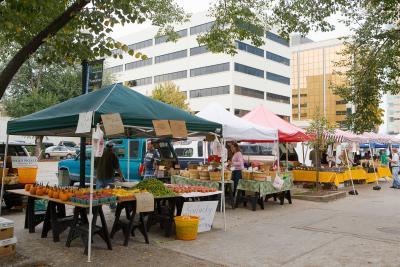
<point x="98" y="198"/>
<point x="176" y="188"/>
<point x="10" y="179"/>
<point x="154" y="186"/>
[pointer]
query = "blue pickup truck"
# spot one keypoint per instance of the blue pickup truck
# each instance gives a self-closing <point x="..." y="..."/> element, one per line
<point x="136" y="149"/>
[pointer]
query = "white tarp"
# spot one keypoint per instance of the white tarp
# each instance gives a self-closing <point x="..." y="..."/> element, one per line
<point x="235" y="128"/>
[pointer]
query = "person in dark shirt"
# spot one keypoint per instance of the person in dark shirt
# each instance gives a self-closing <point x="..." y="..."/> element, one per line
<point x="106" y="167"/>
<point x="151" y="160"/>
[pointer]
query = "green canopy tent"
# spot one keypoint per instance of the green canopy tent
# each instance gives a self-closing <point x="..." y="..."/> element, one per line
<point x="137" y="113"/>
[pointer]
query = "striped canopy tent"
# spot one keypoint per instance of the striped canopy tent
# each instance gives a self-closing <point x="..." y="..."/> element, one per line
<point x="378" y="138"/>
<point x="340" y="136"/>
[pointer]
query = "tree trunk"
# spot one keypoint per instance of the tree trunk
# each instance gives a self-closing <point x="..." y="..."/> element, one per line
<point x="38" y="146"/>
<point x="23" y="54"/>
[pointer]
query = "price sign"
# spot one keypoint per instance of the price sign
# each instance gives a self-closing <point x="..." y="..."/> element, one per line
<point x="113" y="124"/>
<point x="178" y="129"/>
<point x="204" y="209"/>
<point x="162" y="127"/>
<point x="24" y="162"/>
<point x="84" y="122"/>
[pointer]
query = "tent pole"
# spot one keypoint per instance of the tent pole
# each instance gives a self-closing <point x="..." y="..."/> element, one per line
<point x="373" y="163"/>
<point x="223" y="182"/>
<point x="304" y="156"/>
<point x="91" y="201"/>
<point x="129" y="160"/>
<point x="278" y="159"/>
<point x="348" y="166"/>
<point x="4" y="173"/>
<point x="287" y="158"/>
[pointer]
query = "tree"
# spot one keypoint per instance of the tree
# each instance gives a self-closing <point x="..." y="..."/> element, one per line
<point x="171" y="94"/>
<point x="320" y="129"/>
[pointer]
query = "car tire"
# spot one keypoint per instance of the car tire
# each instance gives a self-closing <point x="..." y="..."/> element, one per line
<point x="47" y="155"/>
<point x="69" y="156"/>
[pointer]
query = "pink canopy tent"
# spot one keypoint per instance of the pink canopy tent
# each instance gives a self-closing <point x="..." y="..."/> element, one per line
<point x="341" y="136"/>
<point x="287" y="132"/>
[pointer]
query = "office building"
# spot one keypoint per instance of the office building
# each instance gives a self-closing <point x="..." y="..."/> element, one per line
<point x="392" y="114"/>
<point x="256" y="75"/>
<point x="313" y="66"/>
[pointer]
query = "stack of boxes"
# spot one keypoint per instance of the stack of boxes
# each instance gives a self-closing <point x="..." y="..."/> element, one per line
<point x="7" y="240"/>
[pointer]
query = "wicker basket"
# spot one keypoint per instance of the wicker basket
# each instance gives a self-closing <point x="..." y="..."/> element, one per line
<point x="194" y="174"/>
<point x="185" y="173"/>
<point x="215" y="176"/>
<point x="227" y="175"/>
<point x="246" y="175"/>
<point x="204" y="175"/>
<point x="260" y="176"/>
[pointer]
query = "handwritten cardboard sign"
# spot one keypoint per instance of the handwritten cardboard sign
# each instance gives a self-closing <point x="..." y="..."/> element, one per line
<point x="84" y="122"/>
<point x="178" y="129"/>
<point x="24" y="162"/>
<point x="162" y="127"/>
<point x="204" y="209"/>
<point x="112" y="124"/>
<point x="144" y="202"/>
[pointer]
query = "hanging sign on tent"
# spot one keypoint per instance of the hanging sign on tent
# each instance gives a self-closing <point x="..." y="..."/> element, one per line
<point x="95" y="74"/>
<point x="162" y="127"/>
<point x="204" y="209"/>
<point x="112" y="124"/>
<point x="24" y="162"/>
<point x="178" y="129"/>
<point x="84" y="122"/>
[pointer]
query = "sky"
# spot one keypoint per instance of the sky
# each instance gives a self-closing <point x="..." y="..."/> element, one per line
<point x="194" y="6"/>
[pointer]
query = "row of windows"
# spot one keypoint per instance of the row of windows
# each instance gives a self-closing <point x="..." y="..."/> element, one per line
<point x="170" y="76"/>
<point x="170" y="56"/>
<point x="209" y="69"/>
<point x="278" y="98"/>
<point x="250" y="49"/>
<point x="277" y="58"/>
<point x="301" y="105"/>
<point x="239" y="90"/>
<point x="341" y="102"/>
<point x="249" y="70"/>
<point x="278" y="78"/>
<point x="138" y="64"/>
<point x="164" y="38"/>
<point x="141" y="45"/>
<point x="301" y="95"/>
<point x="219" y="90"/>
<point x="276" y="38"/>
<point x="114" y="69"/>
<point x="198" y="50"/>
<point x="201" y="28"/>
<point x="341" y="112"/>
<point x="139" y="82"/>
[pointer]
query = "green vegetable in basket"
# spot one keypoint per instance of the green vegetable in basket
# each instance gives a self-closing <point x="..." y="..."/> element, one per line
<point x="154" y="186"/>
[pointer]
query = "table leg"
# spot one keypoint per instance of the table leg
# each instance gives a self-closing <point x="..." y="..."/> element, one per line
<point x="118" y="211"/>
<point x="72" y="231"/>
<point x="231" y="195"/>
<point x="104" y="229"/>
<point x="30" y="209"/>
<point x="281" y="198"/>
<point x="53" y="219"/>
<point x="288" y="196"/>
<point x="47" y="222"/>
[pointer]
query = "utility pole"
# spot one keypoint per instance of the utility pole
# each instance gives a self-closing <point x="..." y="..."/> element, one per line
<point x="82" y="158"/>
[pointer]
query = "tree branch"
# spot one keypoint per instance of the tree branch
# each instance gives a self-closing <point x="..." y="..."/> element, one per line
<point x="23" y="54"/>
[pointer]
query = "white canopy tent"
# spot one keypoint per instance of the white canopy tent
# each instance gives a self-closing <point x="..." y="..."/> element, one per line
<point x="235" y="129"/>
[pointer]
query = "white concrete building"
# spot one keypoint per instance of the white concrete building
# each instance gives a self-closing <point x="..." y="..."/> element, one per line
<point x="240" y="83"/>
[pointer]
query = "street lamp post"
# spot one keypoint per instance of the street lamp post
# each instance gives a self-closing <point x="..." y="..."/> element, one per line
<point x="82" y="158"/>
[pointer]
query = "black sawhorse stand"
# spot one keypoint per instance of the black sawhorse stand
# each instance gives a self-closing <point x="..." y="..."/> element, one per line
<point x="80" y="227"/>
<point x="56" y="220"/>
<point x="163" y="214"/>
<point x="32" y="217"/>
<point x="281" y="195"/>
<point x="253" y="199"/>
<point x="128" y="225"/>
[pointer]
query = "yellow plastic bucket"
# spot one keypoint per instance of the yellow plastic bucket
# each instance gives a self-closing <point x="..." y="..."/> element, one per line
<point x="27" y="175"/>
<point x="186" y="227"/>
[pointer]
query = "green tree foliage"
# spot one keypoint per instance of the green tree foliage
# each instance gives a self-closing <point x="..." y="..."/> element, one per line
<point x="171" y="94"/>
<point x="372" y="67"/>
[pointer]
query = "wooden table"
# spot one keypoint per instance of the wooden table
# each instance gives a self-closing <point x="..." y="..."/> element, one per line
<point x="57" y="221"/>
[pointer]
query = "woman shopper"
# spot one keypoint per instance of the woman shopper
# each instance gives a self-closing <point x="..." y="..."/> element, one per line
<point x="237" y="164"/>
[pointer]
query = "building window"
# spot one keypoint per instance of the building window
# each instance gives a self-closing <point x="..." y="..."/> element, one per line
<point x="139" y="82"/>
<point x="241" y="112"/>
<point x="170" y="76"/>
<point x="138" y="64"/>
<point x="239" y="90"/>
<point x="278" y="58"/>
<point x="170" y="56"/>
<point x="278" y="78"/>
<point x="250" y="49"/>
<point x="249" y="70"/>
<point x="114" y="69"/>
<point x="164" y="38"/>
<point x="140" y="45"/>
<point x="286" y="118"/>
<point x="341" y="102"/>
<point x="199" y="50"/>
<point x="341" y="112"/>
<point x="219" y="90"/>
<point x="301" y="105"/>
<point x="117" y="51"/>
<point x="276" y="38"/>
<point x="278" y="98"/>
<point x="201" y="28"/>
<point x="209" y="69"/>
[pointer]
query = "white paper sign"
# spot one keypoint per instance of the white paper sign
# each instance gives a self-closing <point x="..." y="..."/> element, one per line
<point x="112" y="124"/>
<point x="204" y="209"/>
<point x="24" y="162"/>
<point x="84" y="122"/>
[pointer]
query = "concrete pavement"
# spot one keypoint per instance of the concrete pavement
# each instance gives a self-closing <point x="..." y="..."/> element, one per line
<point x="354" y="231"/>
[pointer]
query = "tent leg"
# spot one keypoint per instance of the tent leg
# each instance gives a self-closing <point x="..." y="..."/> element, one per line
<point x="91" y="203"/>
<point x="128" y="172"/>
<point x="287" y="158"/>
<point x="373" y="164"/>
<point x="223" y="183"/>
<point x="351" y="176"/>
<point x="3" y="174"/>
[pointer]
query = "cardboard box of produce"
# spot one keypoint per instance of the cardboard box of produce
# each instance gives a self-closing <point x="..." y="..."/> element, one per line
<point x="6" y="229"/>
<point x="7" y="250"/>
